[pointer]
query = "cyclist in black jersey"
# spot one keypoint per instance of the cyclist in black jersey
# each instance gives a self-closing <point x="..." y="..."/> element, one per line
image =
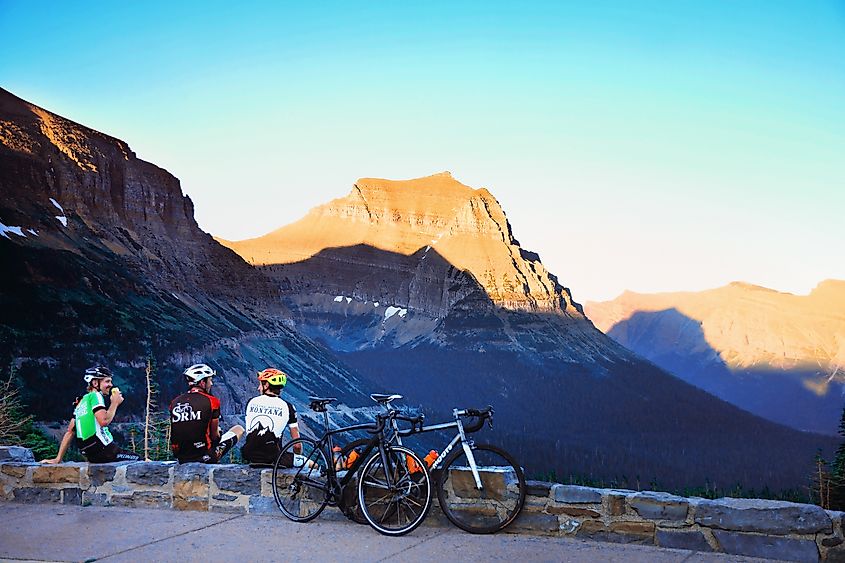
<point x="267" y="416"/>
<point x="194" y="421"/>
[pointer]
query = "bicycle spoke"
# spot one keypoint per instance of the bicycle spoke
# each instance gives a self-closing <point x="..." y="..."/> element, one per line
<point x="491" y="507"/>
<point x="404" y="504"/>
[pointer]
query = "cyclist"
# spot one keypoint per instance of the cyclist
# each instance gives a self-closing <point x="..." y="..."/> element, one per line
<point x="90" y="420"/>
<point x="194" y="421"/>
<point x="267" y="416"/>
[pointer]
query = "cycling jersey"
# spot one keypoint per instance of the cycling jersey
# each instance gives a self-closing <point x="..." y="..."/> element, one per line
<point x="89" y="433"/>
<point x="267" y="416"/>
<point x="191" y="414"/>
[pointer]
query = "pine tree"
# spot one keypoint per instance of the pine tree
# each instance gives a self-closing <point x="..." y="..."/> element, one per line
<point x="837" y="472"/>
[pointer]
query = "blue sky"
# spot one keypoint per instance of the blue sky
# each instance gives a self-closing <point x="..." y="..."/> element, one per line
<point x="634" y="145"/>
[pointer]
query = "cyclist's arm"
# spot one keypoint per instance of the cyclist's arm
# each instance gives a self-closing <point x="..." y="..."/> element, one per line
<point x="64" y="445"/>
<point x="293" y="424"/>
<point x="214" y="428"/>
<point x="105" y="416"/>
<point x="294" y="434"/>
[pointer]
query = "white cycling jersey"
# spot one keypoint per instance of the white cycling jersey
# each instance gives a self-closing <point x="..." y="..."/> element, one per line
<point x="267" y="412"/>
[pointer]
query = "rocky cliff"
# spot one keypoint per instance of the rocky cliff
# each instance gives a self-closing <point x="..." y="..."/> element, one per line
<point x="421" y="286"/>
<point x="778" y="355"/>
<point x="104" y="262"/>
<point x="413" y="218"/>
<point x="414" y="261"/>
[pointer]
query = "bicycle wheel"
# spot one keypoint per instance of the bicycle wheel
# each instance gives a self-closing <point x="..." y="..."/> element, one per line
<point x="349" y="498"/>
<point x="493" y="506"/>
<point x="300" y="485"/>
<point x="398" y="508"/>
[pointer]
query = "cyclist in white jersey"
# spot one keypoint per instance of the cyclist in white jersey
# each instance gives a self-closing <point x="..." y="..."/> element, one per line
<point x="267" y="416"/>
<point x="90" y="420"/>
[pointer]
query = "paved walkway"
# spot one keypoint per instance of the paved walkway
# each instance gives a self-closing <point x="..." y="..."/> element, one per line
<point x="63" y="533"/>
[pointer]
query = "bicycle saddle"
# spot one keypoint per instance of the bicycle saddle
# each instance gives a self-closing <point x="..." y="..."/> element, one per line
<point x="318" y="404"/>
<point x="384" y="399"/>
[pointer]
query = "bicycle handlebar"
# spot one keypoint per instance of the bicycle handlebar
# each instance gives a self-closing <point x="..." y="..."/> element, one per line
<point x="481" y="414"/>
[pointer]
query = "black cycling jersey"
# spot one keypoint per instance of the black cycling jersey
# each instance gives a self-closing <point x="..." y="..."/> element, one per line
<point x="191" y="414"/>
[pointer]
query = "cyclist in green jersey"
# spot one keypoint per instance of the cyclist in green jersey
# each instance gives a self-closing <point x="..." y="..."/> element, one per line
<point x="89" y="424"/>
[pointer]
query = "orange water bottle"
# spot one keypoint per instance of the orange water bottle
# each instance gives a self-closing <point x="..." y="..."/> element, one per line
<point x="430" y="458"/>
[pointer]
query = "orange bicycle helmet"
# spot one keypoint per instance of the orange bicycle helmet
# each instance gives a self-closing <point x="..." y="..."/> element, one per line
<point x="273" y="376"/>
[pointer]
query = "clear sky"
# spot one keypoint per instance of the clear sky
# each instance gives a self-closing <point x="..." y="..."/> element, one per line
<point x="651" y="146"/>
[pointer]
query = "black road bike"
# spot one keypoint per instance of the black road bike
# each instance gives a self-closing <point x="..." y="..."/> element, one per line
<point x="480" y="487"/>
<point x="393" y="484"/>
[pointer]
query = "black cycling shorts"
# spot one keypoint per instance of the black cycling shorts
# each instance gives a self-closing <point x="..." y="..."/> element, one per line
<point x="98" y="453"/>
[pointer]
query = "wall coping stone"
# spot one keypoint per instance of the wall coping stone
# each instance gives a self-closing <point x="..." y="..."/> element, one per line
<point x="763" y="516"/>
<point x="16" y="453"/>
<point x="773" y="529"/>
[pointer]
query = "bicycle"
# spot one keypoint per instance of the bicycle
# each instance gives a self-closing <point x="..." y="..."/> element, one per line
<point x="477" y="501"/>
<point x="393" y="485"/>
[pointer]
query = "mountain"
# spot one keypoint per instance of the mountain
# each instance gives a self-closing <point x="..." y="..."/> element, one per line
<point x="103" y="262"/>
<point x="421" y="286"/>
<point x="778" y="355"/>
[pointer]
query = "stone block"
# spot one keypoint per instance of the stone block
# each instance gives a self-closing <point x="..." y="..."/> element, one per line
<point x="225" y="498"/>
<point x="831" y="542"/>
<point x="263" y="505"/>
<point x="766" y="547"/>
<point x="835" y="555"/>
<point x="660" y="506"/>
<point x="191" y="487"/>
<point x="575" y="494"/>
<point x="238" y="478"/>
<point x="199" y="504"/>
<point x="764" y="516"/>
<point x="36" y="495"/>
<point x="143" y="499"/>
<point x="495" y="483"/>
<point x="155" y="473"/>
<point x="573" y="511"/>
<point x="16" y="453"/>
<point x="693" y="540"/>
<point x="618" y="532"/>
<point x="228" y="508"/>
<point x="538" y="488"/>
<point x="94" y="499"/>
<point x="101" y="473"/>
<point x="535" y="523"/>
<point x="18" y="471"/>
<point x="72" y="496"/>
<point x="267" y="482"/>
<point x="616" y="504"/>
<point x="56" y="474"/>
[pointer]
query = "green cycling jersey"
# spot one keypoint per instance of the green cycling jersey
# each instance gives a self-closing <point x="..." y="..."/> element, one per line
<point x="87" y="426"/>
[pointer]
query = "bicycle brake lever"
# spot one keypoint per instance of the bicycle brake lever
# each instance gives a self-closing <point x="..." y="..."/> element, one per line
<point x="490" y="422"/>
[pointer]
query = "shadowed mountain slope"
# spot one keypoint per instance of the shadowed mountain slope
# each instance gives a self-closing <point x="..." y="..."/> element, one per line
<point x="404" y="279"/>
<point x="104" y="262"/>
<point x="778" y="355"/>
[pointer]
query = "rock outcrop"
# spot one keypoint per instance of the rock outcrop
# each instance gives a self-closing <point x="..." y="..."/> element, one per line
<point x="103" y="261"/>
<point x="421" y="286"/>
<point x="415" y="218"/>
<point x="779" y="355"/>
<point x="405" y="262"/>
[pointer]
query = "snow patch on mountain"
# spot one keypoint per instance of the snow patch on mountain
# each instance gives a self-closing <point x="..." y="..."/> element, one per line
<point x="4" y="230"/>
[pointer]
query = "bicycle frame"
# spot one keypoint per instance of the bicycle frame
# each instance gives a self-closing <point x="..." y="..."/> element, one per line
<point x="461" y="437"/>
<point x="378" y="440"/>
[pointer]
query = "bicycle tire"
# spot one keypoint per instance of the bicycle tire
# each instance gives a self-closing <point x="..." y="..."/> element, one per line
<point x="486" y="510"/>
<point x="409" y="500"/>
<point x="351" y="509"/>
<point x="301" y="492"/>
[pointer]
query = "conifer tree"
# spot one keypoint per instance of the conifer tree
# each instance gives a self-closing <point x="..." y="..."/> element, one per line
<point x="837" y="472"/>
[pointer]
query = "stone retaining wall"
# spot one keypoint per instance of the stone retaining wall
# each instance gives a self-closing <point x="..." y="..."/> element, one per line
<point x="760" y="528"/>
